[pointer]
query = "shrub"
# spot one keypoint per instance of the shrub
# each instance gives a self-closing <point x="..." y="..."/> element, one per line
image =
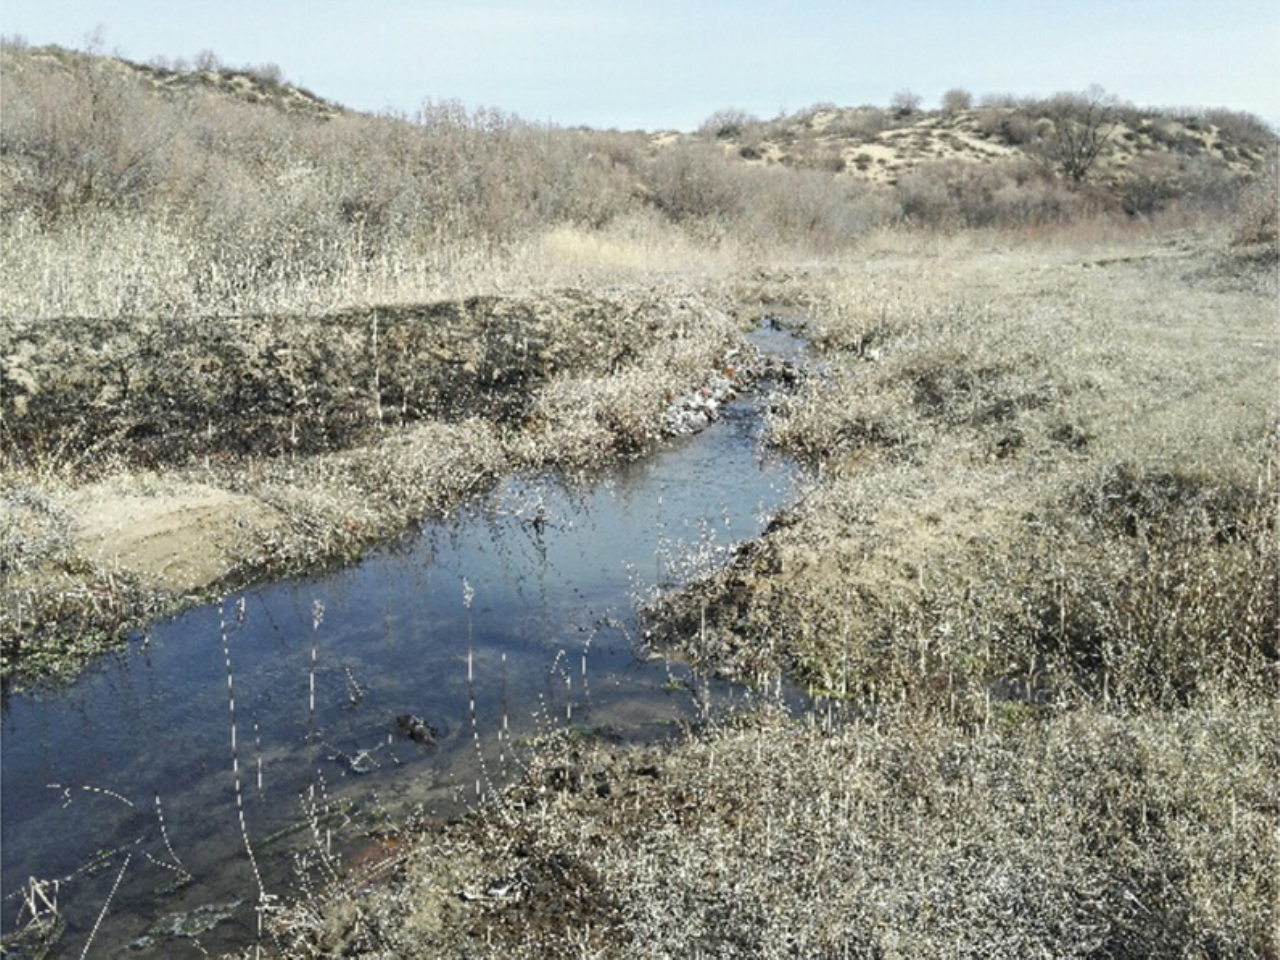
<point x="809" y="208"/>
<point x="1082" y="124"/>
<point x="1009" y="125"/>
<point x="727" y="124"/>
<point x="269" y="74"/>
<point x="864" y="123"/>
<point x="956" y="100"/>
<point x="806" y="115"/>
<point x="905" y="102"/>
<point x="207" y="61"/>
<point x="1256" y="222"/>
<point x="1001" y="101"/>
<point x="1173" y="135"/>
<point x="1151" y="184"/>
<point x="694" y="182"/>
<point x="1243" y="129"/>
<point x="952" y="193"/>
<point x="78" y="135"/>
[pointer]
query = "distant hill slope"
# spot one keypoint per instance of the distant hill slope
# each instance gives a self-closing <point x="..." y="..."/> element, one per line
<point x="882" y="145"/>
<point x="875" y="143"/>
<point x="258" y="85"/>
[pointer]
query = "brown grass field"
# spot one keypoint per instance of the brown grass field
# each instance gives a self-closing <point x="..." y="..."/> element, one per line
<point x="1032" y="580"/>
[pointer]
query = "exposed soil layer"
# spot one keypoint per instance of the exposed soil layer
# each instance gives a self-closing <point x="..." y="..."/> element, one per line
<point x="166" y="391"/>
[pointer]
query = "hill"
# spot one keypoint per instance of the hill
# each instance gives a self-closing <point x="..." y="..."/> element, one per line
<point x="884" y="144"/>
<point x="262" y="84"/>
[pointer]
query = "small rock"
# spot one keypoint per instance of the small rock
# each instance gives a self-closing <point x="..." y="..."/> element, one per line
<point x="417" y="729"/>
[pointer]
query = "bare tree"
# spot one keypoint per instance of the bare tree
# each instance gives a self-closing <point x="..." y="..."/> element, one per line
<point x="1082" y="127"/>
<point x="207" y="62"/>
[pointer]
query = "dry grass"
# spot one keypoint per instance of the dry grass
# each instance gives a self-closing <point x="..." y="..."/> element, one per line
<point x="1036" y="579"/>
<point x="996" y="444"/>
<point x="1079" y="835"/>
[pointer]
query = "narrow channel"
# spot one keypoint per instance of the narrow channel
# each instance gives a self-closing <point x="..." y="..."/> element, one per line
<point x="414" y="683"/>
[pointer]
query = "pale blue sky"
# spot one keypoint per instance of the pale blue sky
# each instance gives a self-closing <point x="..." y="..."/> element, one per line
<point x="670" y="63"/>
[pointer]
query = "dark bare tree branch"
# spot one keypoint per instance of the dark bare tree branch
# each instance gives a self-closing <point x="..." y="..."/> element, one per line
<point x="1082" y="128"/>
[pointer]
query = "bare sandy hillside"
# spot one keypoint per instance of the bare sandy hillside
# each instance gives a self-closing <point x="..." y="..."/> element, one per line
<point x="883" y="145"/>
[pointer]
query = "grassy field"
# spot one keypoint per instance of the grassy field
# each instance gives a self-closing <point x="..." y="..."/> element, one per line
<point x="1032" y="581"/>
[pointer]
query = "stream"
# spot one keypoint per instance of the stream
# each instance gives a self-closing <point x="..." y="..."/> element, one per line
<point x="414" y="683"/>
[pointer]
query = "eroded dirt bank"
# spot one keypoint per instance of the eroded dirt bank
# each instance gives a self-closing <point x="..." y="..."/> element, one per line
<point x="150" y="462"/>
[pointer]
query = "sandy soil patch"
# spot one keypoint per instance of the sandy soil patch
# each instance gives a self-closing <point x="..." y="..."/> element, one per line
<point x="182" y="538"/>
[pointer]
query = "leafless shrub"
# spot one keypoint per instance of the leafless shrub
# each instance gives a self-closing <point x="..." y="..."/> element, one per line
<point x="279" y="199"/>
<point x="806" y="115"/>
<point x="1150" y="185"/>
<point x="79" y="136"/>
<point x="1154" y="183"/>
<point x="956" y="100"/>
<point x="207" y="61"/>
<point x="905" y="102"/>
<point x="269" y="74"/>
<point x="692" y="182"/>
<point x="1007" y="101"/>
<point x="617" y="150"/>
<point x="1007" y="121"/>
<point x="953" y="193"/>
<point x="1256" y="225"/>
<point x="1082" y="128"/>
<point x="1244" y="129"/>
<point x="807" y="209"/>
<point x="763" y="205"/>
<point x="727" y="124"/>
<point x="863" y="123"/>
<point x="1173" y="134"/>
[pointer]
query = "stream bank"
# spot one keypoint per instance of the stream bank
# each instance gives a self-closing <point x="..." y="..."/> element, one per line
<point x="150" y="466"/>
<point x="485" y="633"/>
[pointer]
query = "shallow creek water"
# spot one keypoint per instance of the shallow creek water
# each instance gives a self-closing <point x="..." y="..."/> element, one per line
<point x="512" y="618"/>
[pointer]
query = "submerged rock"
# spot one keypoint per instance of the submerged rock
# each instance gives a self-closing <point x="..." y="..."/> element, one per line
<point x="188" y="925"/>
<point x="418" y="730"/>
